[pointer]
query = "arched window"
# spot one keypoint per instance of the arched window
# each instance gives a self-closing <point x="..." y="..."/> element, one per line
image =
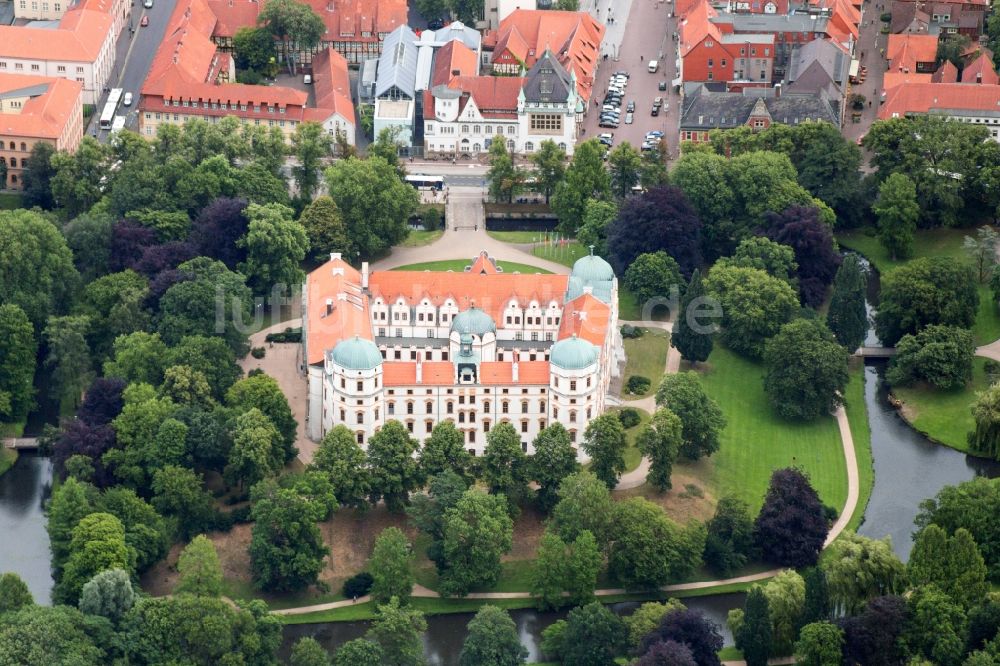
<point x="361" y="437"/>
<point x="541" y="406"/>
<point x="476" y="129"/>
<point x="450" y="407"/>
<point x="24" y="147"/>
<point x="529" y="146"/>
<point x="12" y="147"/>
<point x="562" y="145"/>
<point x="511" y="146"/>
<point x="461" y="417"/>
<point x="505" y="407"/>
<point x="361" y="418"/>
<point x="572" y="416"/>
<point x="524" y="406"/>
<point x="430" y="407"/>
<point x="486" y="405"/>
<point x="13" y="161"/>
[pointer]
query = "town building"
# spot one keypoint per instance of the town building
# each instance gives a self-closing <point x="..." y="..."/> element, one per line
<point x="192" y="78"/>
<point x="80" y="47"/>
<point x="961" y="102"/>
<point x="478" y="348"/>
<point x="396" y="85"/>
<point x="912" y="53"/>
<point x="757" y="108"/>
<point x="495" y="11"/>
<point x="465" y="114"/>
<point x="37" y="109"/>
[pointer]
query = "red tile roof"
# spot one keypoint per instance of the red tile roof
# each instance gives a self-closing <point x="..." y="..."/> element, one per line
<point x="946" y="73"/>
<point x="696" y="26"/>
<point x="928" y="97"/>
<point x="331" y="85"/>
<point x="495" y="96"/>
<point x="80" y="36"/>
<point x="453" y="59"/>
<point x="43" y="116"/>
<point x="502" y="372"/>
<point x="337" y="308"/>
<point x="980" y="71"/>
<point x="344" y="19"/>
<point x="585" y="317"/>
<point x="905" y="51"/>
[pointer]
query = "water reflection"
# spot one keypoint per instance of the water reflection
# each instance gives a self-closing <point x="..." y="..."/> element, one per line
<point x="24" y="548"/>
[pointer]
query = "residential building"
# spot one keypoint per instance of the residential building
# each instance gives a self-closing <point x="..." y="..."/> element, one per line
<point x="908" y="18"/>
<point x="821" y="67"/>
<point x="477" y="348"/>
<point x="37" y="109"/>
<point x="48" y="10"/>
<point x="354" y="28"/>
<point x="912" y="53"/>
<point x="81" y="47"/>
<point x="465" y="114"/>
<point x="574" y="37"/>
<point x="961" y="102"/>
<point x="707" y="54"/>
<point x="191" y="78"/>
<point x="758" y="108"/>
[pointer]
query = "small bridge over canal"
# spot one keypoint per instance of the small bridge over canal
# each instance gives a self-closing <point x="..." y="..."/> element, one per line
<point x="876" y="352"/>
<point x="21" y="443"/>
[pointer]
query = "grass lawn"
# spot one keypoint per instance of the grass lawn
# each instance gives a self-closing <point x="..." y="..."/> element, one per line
<point x="857" y="415"/>
<point x="241" y="589"/>
<point x="647" y="357"/>
<point x="932" y="243"/>
<point x="519" y="237"/>
<point x="7" y="458"/>
<point x="629" y="308"/>
<point x="10" y="201"/>
<point x="632" y="454"/>
<point x="565" y="253"/>
<point x="458" y="266"/>
<point x="756" y="441"/>
<point x="515" y="576"/>
<point x="418" y="238"/>
<point x="944" y="416"/>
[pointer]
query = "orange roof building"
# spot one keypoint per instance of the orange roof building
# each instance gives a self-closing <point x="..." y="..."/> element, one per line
<point x="962" y="102"/>
<point x="909" y="53"/>
<point x="37" y="109"/>
<point x="477" y="347"/>
<point x="191" y="78"/>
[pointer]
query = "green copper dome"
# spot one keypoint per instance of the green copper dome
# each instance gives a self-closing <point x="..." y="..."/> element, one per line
<point x="573" y="354"/>
<point x="473" y="322"/>
<point x="356" y="354"/>
<point x="592" y="268"/>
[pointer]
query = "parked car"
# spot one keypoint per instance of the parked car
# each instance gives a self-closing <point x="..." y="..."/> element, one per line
<point x="127" y="99"/>
<point x="662" y="85"/>
<point x="148" y="4"/>
<point x="655" y="111"/>
<point x="622" y="73"/>
<point x="606" y="139"/>
<point x="145" y="21"/>
<point x="656" y="133"/>
<point x="630" y="107"/>
<point x="628" y="118"/>
<point x="608" y="122"/>
<point x="609" y="107"/>
<point x="658" y="101"/>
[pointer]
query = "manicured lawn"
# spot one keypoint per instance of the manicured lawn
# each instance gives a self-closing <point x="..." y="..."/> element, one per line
<point x="932" y="243"/>
<point x="629" y="309"/>
<point x="647" y="357"/>
<point x="458" y="265"/>
<point x="240" y="589"/>
<point x="632" y="455"/>
<point x="519" y="237"/>
<point x="515" y="576"/>
<point x="756" y="441"/>
<point x="561" y="253"/>
<point x="418" y="238"/>
<point x="10" y="201"/>
<point x="857" y="415"/>
<point x="944" y="416"/>
<point x="7" y="458"/>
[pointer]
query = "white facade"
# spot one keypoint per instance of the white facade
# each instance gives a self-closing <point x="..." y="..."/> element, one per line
<point x="498" y="10"/>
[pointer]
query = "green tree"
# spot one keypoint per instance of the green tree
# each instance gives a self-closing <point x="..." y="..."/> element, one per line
<point x="293" y="23"/>
<point x="816" y="607"/>
<point x="14" y="593"/>
<point x="343" y="461"/>
<point x="860" y="569"/>
<point x="178" y="492"/>
<point x="445" y="450"/>
<point x="820" y="644"/>
<point x="646" y="618"/>
<point x="694" y="329"/>
<point x="275" y="244"/>
<point x="477" y="532"/>
<point x="108" y="594"/>
<point x="390" y="567"/>
<point x="806" y="370"/>
<point x="847" y="316"/>
<point x="36" y="177"/>
<point x="184" y="385"/>
<point x="982" y="250"/>
<point x="254" y="49"/>
<point x="114" y="304"/>
<point x="71" y="501"/>
<point x="773" y="258"/>
<point x="755" y="637"/>
<point x="36" y="271"/>
<point x="550" y="166"/>
<point x="98" y="543"/>
<point x="936" y="628"/>
<point x="729" y="538"/>
<point x="648" y="548"/>
<point x="324" y="228"/>
<point x="505" y="467"/>
<point x="256" y="452"/>
<point x="565" y="572"/>
<point x="660" y="440"/>
<point x="211" y="357"/>
<point x="625" y="165"/>
<point x="43" y="635"/>
<point x="394" y="471"/>
<point x="198" y="568"/>
<point x="553" y="461"/>
<point x="137" y="358"/>
<point x="505" y="179"/>
<point x="307" y="651"/>
<point x="701" y="417"/>
<point x="374" y="202"/>
<point x="76" y="183"/>
<point x="586" y="179"/>
<point x="310" y="144"/>
<point x="361" y="652"/>
<point x="605" y="442"/>
<point x="397" y="630"/>
<point x="954" y="564"/>
<point x="18" y="350"/>
<point x="897" y="211"/>
<point x="593" y="230"/>
<point x="262" y="391"/>
<point x="427" y="511"/>
<point x="594" y="636"/>
<point x="492" y="640"/>
<point x="985" y="437"/>
<point x="286" y="548"/>
<point x="704" y="179"/>
<point x="754" y="306"/>
<point x="938" y="355"/>
<point x="925" y="291"/>
<point x="653" y="275"/>
<point x="146" y="532"/>
<point x="584" y="504"/>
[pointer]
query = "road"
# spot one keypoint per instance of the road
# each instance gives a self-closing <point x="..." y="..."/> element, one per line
<point x="649" y="27"/>
<point x="870" y="42"/>
<point x="133" y="58"/>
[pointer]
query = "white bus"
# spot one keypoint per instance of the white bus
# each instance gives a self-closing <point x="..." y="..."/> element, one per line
<point x="423" y="182"/>
<point x="108" y="114"/>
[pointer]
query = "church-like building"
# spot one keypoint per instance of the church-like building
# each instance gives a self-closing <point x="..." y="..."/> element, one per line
<point x="479" y="347"/>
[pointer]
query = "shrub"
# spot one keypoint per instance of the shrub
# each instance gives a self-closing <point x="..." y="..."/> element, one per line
<point x="629" y="331"/>
<point x="637" y="384"/>
<point x="629" y="417"/>
<point x="288" y="335"/>
<point x="886" y="17"/>
<point x="358" y="585"/>
<point x="258" y="352"/>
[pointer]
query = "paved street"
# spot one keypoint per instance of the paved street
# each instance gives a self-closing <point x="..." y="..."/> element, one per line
<point x="649" y="28"/>
<point x="134" y="56"/>
<point x="870" y="43"/>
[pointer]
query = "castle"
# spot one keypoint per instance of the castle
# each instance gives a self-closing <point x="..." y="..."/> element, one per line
<point x="479" y="347"/>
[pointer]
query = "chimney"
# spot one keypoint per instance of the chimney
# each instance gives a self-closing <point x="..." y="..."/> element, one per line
<point x="513" y="372"/>
<point x="364" y="275"/>
<point x="420" y="372"/>
<point x="777" y="91"/>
